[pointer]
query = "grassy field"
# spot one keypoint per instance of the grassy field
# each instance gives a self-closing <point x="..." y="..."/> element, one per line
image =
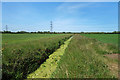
<point x="23" y="53"/>
<point x="84" y="58"/>
<point x="20" y="38"/>
<point x="106" y="38"/>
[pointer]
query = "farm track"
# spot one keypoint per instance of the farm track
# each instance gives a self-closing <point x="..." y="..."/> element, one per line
<point x="48" y="67"/>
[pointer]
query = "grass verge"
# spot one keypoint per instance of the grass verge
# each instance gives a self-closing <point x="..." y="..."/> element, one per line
<point x="83" y="58"/>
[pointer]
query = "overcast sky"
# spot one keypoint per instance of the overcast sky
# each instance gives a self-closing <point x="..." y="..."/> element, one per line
<point x="66" y="16"/>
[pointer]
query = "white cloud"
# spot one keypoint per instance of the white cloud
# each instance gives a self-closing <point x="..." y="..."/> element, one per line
<point x="71" y="7"/>
<point x="69" y="24"/>
<point x="62" y="24"/>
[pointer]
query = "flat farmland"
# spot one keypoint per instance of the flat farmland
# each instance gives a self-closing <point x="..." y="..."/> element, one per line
<point x="86" y="56"/>
<point x="20" y="38"/>
<point x="106" y="38"/>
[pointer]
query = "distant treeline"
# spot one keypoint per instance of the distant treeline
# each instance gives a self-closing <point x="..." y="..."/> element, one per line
<point x="48" y="32"/>
<point x="114" y="32"/>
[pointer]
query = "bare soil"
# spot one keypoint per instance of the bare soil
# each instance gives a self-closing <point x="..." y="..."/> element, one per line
<point x="113" y="66"/>
<point x="112" y="56"/>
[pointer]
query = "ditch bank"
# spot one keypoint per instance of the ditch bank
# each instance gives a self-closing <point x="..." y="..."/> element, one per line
<point x="49" y="66"/>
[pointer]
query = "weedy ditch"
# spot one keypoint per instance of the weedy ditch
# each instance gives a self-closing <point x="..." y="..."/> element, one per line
<point x="49" y="66"/>
<point x="21" y="59"/>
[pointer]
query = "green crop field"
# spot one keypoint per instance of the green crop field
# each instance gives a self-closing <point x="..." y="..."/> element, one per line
<point x="83" y="57"/>
<point x="106" y="38"/>
<point x="20" y="38"/>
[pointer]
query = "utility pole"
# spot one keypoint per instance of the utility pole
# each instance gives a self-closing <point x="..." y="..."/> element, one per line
<point x="6" y="28"/>
<point x="51" y="26"/>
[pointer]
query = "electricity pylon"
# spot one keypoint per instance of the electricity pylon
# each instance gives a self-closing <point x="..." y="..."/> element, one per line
<point x="51" y="26"/>
<point x="6" y="28"/>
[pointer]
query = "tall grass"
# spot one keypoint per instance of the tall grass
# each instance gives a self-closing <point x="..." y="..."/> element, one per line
<point x="22" y="58"/>
<point x="83" y="59"/>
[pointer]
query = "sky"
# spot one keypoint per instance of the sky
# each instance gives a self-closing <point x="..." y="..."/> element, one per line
<point x="60" y="0"/>
<point x="66" y="16"/>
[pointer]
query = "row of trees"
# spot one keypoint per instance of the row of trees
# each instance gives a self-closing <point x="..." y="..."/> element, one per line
<point x="40" y="32"/>
<point x="114" y="32"/>
<point x="48" y="32"/>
